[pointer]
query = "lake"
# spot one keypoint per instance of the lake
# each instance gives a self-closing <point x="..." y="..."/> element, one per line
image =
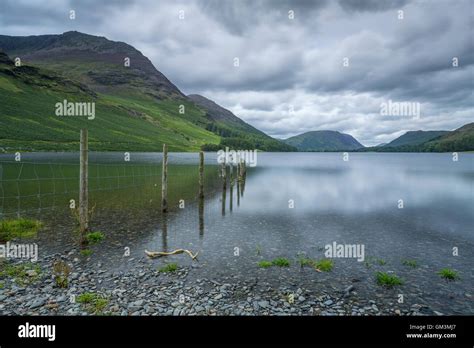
<point x="399" y="206"/>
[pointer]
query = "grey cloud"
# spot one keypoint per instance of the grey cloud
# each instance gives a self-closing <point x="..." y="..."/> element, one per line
<point x="291" y="62"/>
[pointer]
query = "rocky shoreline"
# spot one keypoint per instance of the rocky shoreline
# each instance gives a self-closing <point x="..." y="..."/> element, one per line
<point x="143" y="290"/>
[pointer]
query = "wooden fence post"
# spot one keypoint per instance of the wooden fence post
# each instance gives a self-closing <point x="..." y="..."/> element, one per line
<point x="201" y="175"/>
<point x="83" y="186"/>
<point x="164" y="180"/>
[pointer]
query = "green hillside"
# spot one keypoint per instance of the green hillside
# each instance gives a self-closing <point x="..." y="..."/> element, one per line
<point x="415" y="138"/>
<point x="28" y="121"/>
<point x="137" y="107"/>
<point x="461" y="139"/>
<point x="324" y="141"/>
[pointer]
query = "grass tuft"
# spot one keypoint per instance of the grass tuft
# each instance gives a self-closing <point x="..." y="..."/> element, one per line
<point x="410" y="263"/>
<point x="265" y="264"/>
<point x="324" y="265"/>
<point x="170" y="267"/>
<point x="86" y="252"/>
<point x="281" y="262"/>
<point x="23" y="274"/>
<point x="388" y="280"/>
<point x="18" y="228"/>
<point x="93" y="303"/>
<point x="448" y="274"/>
<point x="94" y="237"/>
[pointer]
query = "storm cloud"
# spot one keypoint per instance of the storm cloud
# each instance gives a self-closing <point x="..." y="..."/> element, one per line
<point x="302" y="65"/>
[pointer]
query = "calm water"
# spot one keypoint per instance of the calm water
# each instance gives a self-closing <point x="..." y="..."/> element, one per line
<point x="353" y="202"/>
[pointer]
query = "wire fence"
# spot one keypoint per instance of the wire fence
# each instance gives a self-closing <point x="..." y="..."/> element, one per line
<point x="32" y="187"/>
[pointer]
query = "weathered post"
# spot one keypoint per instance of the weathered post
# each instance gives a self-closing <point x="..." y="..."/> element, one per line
<point x="164" y="181"/>
<point x="201" y="194"/>
<point x="83" y="186"/>
<point x="231" y="182"/>
<point x="224" y="175"/>
<point x="201" y="175"/>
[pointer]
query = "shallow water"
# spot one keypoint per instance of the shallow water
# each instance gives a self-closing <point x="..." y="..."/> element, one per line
<point x="351" y="202"/>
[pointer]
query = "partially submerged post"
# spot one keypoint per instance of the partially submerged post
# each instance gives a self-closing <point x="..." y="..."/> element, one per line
<point x="201" y="194"/>
<point x="201" y="175"/>
<point x="224" y="175"/>
<point x="83" y="186"/>
<point x="164" y="181"/>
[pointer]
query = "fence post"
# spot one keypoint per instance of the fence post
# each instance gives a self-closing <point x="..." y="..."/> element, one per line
<point x="164" y="181"/>
<point x="201" y="175"/>
<point x="83" y="185"/>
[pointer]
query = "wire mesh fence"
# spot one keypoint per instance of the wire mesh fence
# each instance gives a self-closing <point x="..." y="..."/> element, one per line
<point x="32" y="187"/>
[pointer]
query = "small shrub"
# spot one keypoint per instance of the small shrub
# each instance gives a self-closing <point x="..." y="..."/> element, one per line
<point x="388" y="280"/>
<point x="61" y="271"/>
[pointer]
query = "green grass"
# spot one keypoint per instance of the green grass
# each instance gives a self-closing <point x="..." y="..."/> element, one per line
<point x="18" y="228"/>
<point x="93" y="303"/>
<point x="449" y="274"/>
<point x="381" y="262"/>
<point x="86" y="252"/>
<point x="170" y="267"/>
<point x="388" y="280"/>
<point x="132" y="122"/>
<point x="265" y="264"/>
<point x="324" y="265"/>
<point x="304" y="261"/>
<point x="281" y="262"/>
<point x="61" y="271"/>
<point x="410" y="263"/>
<point x="23" y="274"/>
<point x="94" y="237"/>
<point x="278" y="262"/>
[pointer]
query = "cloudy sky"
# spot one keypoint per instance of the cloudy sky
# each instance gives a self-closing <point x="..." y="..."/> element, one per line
<point x="291" y="76"/>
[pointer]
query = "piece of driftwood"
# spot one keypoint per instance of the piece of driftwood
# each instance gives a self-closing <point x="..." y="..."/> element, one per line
<point x="154" y="254"/>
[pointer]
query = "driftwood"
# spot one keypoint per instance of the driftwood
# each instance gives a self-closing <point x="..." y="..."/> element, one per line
<point x="154" y="254"/>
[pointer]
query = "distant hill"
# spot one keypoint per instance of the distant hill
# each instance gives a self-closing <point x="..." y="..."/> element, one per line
<point x="324" y="140"/>
<point x="461" y="139"/>
<point x="137" y="107"/>
<point x="415" y="138"/>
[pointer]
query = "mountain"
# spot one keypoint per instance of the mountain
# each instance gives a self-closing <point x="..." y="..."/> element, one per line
<point x="28" y="122"/>
<point x="461" y="139"/>
<point x="415" y="138"/>
<point x="137" y="107"/>
<point x="92" y="60"/>
<point x="236" y="132"/>
<point x="324" y="140"/>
